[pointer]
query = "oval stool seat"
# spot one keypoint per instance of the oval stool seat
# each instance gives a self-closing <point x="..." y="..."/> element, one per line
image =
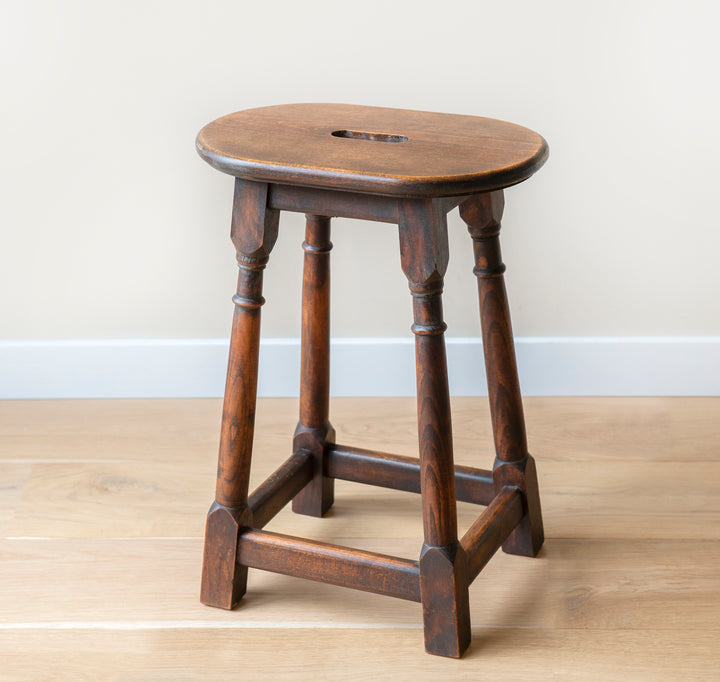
<point x="372" y="149"/>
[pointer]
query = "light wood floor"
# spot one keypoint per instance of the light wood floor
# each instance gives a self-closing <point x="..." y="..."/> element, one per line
<point x="102" y="505"/>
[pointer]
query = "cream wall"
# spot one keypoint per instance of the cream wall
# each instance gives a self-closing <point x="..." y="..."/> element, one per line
<point x="112" y="227"/>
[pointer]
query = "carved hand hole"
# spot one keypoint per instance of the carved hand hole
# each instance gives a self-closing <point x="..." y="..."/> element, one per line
<point x="374" y="137"/>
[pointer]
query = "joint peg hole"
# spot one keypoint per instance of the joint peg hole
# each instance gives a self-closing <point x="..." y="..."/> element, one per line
<point x="374" y="137"/>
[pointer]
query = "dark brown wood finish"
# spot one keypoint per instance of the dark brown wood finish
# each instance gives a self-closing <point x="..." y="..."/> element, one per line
<point x="444" y="583"/>
<point x="491" y="529"/>
<point x="278" y="489"/>
<point x="335" y="564"/>
<point x="409" y="168"/>
<point x="424" y="259"/>
<point x="402" y="473"/>
<point x="224" y="581"/>
<point x="314" y="431"/>
<point x="444" y="154"/>
<point x="254" y="230"/>
<point x="331" y="203"/>
<point x="345" y="204"/>
<point x="513" y="465"/>
<point x="443" y="571"/>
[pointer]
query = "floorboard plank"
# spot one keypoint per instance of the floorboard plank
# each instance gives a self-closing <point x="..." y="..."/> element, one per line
<point x="13" y="478"/>
<point x="580" y="499"/>
<point x="365" y="654"/>
<point x="654" y="585"/>
<point x="601" y="429"/>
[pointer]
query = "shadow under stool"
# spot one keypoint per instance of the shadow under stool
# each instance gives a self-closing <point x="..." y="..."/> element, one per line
<point x="408" y="168"/>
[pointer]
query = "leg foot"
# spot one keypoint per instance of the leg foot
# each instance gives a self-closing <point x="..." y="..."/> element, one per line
<point x="316" y="498"/>
<point x="528" y="537"/>
<point x="223" y="580"/>
<point x="446" y="607"/>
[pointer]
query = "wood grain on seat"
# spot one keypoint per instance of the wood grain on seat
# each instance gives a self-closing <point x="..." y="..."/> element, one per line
<point x="372" y="149"/>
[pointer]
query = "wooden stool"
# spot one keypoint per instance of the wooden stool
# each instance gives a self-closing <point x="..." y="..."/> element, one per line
<point x="409" y="168"/>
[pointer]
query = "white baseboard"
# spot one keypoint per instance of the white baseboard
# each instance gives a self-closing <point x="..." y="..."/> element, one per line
<point x="162" y="368"/>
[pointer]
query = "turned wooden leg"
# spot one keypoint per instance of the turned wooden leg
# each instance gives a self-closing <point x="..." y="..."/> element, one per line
<point x="443" y="563"/>
<point x="254" y="231"/>
<point x="513" y="465"/>
<point x="314" y="430"/>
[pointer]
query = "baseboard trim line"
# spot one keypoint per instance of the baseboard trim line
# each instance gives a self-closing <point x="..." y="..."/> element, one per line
<point x="184" y="368"/>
